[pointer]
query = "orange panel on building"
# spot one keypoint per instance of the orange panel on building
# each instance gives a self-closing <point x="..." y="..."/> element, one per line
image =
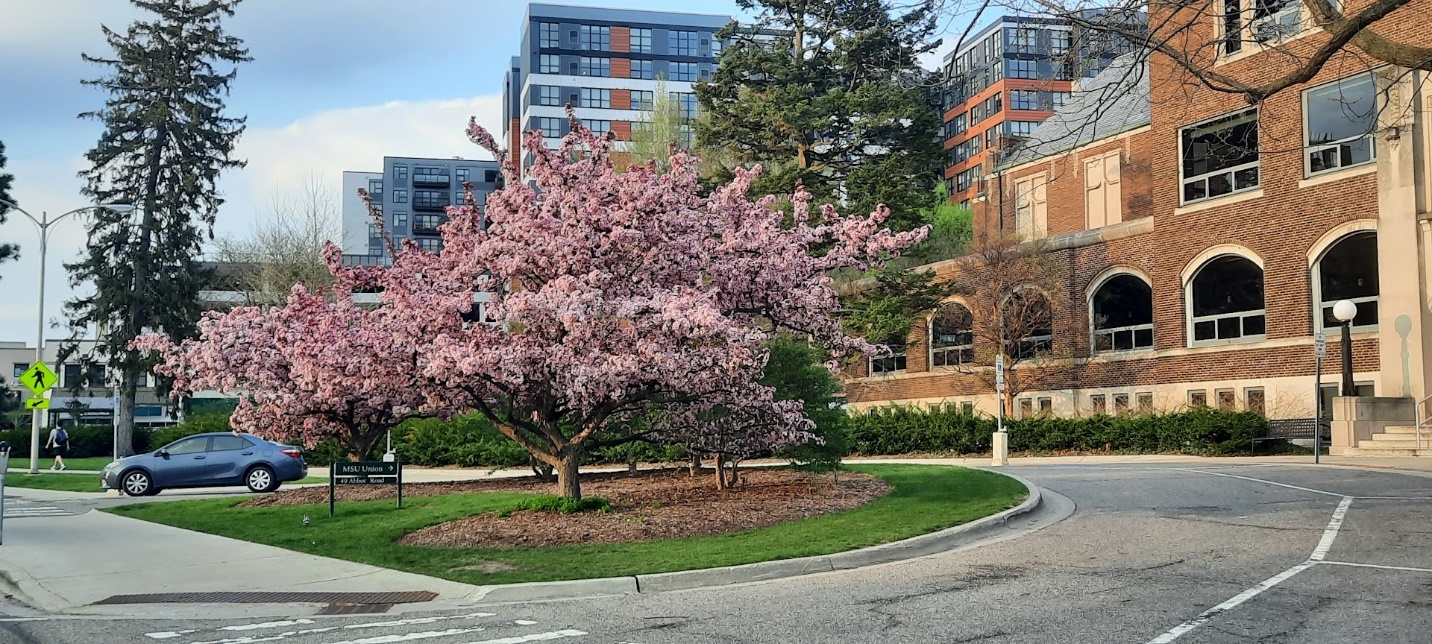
<point x="621" y="68"/>
<point x="621" y="39"/>
<point x="621" y="99"/>
<point x="622" y="129"/>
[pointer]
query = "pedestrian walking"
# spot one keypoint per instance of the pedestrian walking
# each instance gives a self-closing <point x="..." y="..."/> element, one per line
<point x="58" y="443"/>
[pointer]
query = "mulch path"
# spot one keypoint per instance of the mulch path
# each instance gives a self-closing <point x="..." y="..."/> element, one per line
<point x="652" y="504"/>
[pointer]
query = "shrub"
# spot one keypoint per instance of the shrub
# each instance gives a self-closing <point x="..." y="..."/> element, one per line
<point x="562" y="504"/>
<point x="946" y="430"/>
<point x="196" y="424"/>
<point x="468" y="441"/>
<point x="85" y="442"/>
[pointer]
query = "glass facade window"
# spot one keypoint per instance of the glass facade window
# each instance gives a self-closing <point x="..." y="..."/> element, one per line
<point x="400" y="220"/>
<point x="643" y="69"/>
<point x="1023" y="99"/>
<point x="643" y="100"/>
<point x="551" y="127"/>
<point x="641" y="41"/>
<point x="430" y="244"/>
<point x="400" y="196"/>
<point x="597" y="127"/>
<point x="600" y="67"/>
<point x="683" y="72"/>
<point x="599" y="98"/>
<point x="681" y="43"/>
<point x="686" y="102"/>
<point x="375" y="188"/>
<point x="1020" y="128"/>
<point x="1227" y="301"/>
<point x="464" y="175"/>
<point x="549" y="64"/>
<point x="549" y="95"/>
<point x="548" y="35"/>
<point x="1022" y="69"/>
<point x="594" y="38"/>
<point x="400" y="172"/>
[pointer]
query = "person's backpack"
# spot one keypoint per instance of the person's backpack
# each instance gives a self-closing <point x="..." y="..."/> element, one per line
<point x="62" y="437"/>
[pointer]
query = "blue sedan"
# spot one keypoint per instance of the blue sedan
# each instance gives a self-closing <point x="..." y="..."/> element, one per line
<point x="207" y="460"/>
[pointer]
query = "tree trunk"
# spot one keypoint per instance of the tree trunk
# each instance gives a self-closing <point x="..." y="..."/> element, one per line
<point x="124" y="416"/>
<point x="695" y="466"/>
<point x="542" y="470"/>
<point x="720" y="471"/>
<point x="569" y="482"/>
<point x="632" y="461"/>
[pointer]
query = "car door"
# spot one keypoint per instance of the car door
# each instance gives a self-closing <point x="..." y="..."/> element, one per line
<point x="183" y="462"/>
<point x="228" y="457"/>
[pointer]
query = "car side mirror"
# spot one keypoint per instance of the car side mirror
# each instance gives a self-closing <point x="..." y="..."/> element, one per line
<point x="163" y="453"/>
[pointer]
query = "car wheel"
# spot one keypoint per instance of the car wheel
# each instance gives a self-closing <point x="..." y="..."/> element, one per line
<point x="137" y="483"/>
<point x="261" y="479"/>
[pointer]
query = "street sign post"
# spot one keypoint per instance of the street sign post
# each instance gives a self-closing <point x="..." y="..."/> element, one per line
<point x="364" y="473"/>
<point x="999" y="389"/>
<point x="4" y="467"/>
<point x="1320" y="351"/>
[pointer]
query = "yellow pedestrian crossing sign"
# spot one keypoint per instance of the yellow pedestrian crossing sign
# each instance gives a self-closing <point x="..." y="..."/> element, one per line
<point x="37" y="403"/>
<point x="38" y="379"/>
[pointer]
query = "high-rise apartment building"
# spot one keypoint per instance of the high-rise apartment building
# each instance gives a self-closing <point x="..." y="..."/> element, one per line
<point x="1004" y="82"/>
<point x="604" y="63"/>
<point x="414" y="194"/>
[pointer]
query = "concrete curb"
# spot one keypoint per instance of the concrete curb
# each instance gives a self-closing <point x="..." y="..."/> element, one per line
<point x="919" y="546"/>
<point x="27" y="590"/>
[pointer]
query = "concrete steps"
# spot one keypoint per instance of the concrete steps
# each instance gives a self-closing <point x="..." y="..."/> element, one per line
<point x="1380" y="451"/>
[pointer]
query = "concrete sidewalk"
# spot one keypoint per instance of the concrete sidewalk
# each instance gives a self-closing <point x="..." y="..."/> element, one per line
<point x="65" y="564"/>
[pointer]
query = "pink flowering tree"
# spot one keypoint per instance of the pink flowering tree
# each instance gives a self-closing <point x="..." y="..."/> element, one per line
<point x="620" y="294"/>
<point x="319" y="367"/>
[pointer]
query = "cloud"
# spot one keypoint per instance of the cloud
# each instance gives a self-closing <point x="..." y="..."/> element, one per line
<point x="281" y="159"/>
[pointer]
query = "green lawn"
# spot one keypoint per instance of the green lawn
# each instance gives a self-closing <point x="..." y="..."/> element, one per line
<point x="926" y="498"/>
<point x="84" y="482"/>
<point x="95" y="463"/>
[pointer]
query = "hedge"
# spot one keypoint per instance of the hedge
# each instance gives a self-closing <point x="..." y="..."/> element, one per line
<point x="86" y="441"/>
<point x="943" y="430"/>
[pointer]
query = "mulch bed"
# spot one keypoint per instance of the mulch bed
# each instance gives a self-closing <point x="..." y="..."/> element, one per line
<point x="652" y="504"/>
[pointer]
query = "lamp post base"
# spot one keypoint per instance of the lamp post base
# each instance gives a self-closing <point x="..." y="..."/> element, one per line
<point x="1001" y="449"/>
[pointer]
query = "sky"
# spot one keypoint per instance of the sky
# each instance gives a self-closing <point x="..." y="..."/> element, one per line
<point x="334" y="85"/>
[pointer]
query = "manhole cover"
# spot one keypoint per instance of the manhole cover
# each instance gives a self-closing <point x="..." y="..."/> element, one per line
<point x="273" y="598"/>
<point x="356" y="609"/>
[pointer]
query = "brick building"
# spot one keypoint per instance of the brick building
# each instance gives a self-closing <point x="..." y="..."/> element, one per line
<point x="1205" y="239"/>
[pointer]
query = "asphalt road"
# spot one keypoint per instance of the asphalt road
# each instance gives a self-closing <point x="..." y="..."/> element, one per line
<point x="1251" y="553"/>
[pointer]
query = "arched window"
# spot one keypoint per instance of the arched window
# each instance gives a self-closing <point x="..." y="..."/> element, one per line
<point x="1348" y="271"/>
<point x="1028" y="317"/>
<point x="1227" y="301"/>
<point x="1123" y="310"/>
<point x="952" y="338"/>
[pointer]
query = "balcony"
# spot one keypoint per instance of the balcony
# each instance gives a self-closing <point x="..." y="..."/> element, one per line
<point x="432" y="203"/>
<point x="432" y="180"/>
<point x="364" y="260"/>
<point x="427" y="224"/>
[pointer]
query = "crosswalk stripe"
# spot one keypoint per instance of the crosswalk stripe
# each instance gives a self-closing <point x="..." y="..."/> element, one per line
<point x="309" y="631"/>
<point x="409" y="637"/>
<point x="535" y="637"/>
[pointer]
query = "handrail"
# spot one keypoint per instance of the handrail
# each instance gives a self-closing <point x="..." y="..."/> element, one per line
<point x="1420" y="420"/>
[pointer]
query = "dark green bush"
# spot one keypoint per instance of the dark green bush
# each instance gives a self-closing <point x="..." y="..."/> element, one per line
<point x="468" y="441"/>
<point x="562" y="504"/>
<point x="946" y="430"/>
<point x="195" y="424"/>
<point x="86" y="441"/>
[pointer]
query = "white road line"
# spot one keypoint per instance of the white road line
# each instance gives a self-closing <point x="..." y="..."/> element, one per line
<point x="409" y="637"/>
<point x="254" y="627"/>
<point x="1395" y="498"/>
<point x="1379" y="567"/>
<point x="1331" y="532"/>
<point x="1203" y="618"/>
<point x="536" y="637"/>
<point x="525" y="622"/>
<point x="310" y="631"/>
<point x="164" y="635"/>
<point x="1249" y="478"/>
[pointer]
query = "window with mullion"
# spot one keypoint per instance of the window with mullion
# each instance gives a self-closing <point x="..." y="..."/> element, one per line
<point x="598" y="67"/>
<point x="594" y="38"/>
<point x="1220" y="157"/>
<point x="1227" y="301"/>
<point x="1348" y="271"/>
<point x="641" y="41"/>
<point x="682" y="43"/>
<point x="549" y="35"/>
<point x="598" y="98"/>
<point x="549" y="95"/>
<point x="1339" y="119"/>
<point x="952" y="336"/>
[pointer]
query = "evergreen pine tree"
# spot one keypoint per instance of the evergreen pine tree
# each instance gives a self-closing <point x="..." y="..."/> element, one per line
<point x="830" y="93"/>
<point x="7" y="251"/>
<point x="165" y="142"/>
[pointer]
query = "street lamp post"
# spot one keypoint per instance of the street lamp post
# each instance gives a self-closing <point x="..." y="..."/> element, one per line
<point x="43" y="225"/>
<point x="1345" y="311"/>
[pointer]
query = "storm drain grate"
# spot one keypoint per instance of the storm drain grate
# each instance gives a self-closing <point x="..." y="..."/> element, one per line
<point x="355" y="609"/>
<point x="274" y="598"/>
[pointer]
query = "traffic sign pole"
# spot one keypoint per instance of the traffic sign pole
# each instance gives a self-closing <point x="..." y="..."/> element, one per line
<point x="1320" y="350"/>
<point x="38" y="379"/>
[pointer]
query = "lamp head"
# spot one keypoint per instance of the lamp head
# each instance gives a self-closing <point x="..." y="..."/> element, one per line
<point x="121" y="208"/>
<point x="1344" y="311"/>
